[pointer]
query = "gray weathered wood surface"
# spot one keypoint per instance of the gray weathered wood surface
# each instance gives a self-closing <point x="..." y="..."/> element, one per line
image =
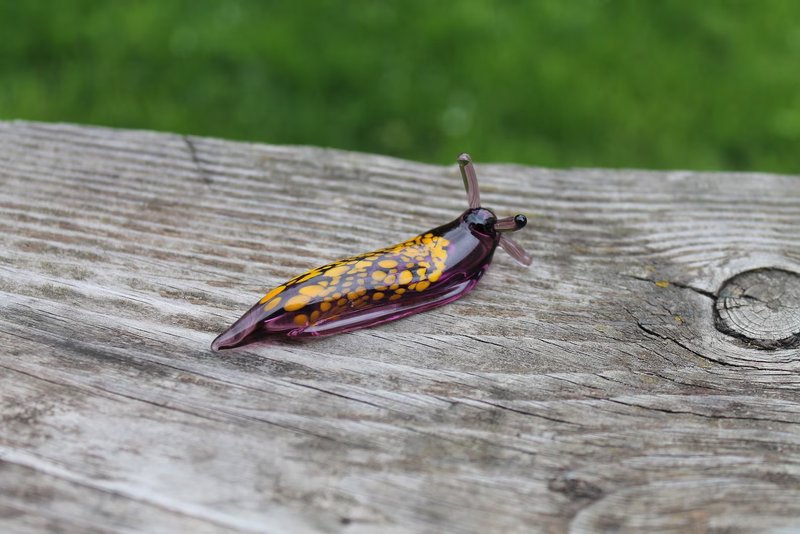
<point x="592" y="392"/>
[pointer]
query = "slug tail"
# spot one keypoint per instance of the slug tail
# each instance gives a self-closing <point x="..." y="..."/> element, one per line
<point x="242" y="331"/>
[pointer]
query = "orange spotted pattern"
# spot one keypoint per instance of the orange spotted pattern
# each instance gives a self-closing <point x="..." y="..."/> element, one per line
<point x="365" y="280"/>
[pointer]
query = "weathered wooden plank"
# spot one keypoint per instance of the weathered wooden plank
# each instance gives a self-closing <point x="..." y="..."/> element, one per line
<point x="591" y="392"/>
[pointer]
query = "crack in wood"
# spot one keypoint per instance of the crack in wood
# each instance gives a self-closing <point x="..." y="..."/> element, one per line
<point x="204" y="175"/>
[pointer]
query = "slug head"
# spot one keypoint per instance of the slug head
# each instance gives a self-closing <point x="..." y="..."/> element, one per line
<point x="483" y="222"/>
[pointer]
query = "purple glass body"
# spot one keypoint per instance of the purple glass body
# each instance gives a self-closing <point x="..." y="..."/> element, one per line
<point x="422" y="273"/>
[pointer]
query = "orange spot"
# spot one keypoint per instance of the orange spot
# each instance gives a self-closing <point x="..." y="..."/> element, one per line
<point x="378" y="275"/>
<point x="309" y="276"/>
<point x="394" y="286"/>
<point x="352" y="295"/>
<point x="300" y="320"/>
<point x="405" y="277"/>
<point x="395" y="297"/>
<point x="421" y="272"/>
<point x="377" y="296"/>
<point x="311" y="291"/>
<point x="271" y="294"/>
<point x="400" y="291"/>
<point x="422" y="286"/>
<point x="271" y="304"/>
<point x="389" y="280"/>
<point x="434" y="276"/>
<point x="360" y="291"/>
<point x="314" y="315"/>
<point x="341" y="302"/>
<point x="387" y="264"/>
<point x="296" y="302"/>
<point x="663" y="283"/>
<point x="325" y="306"/>
<point x="363" y="264"/>
<point x="337" y="271"/>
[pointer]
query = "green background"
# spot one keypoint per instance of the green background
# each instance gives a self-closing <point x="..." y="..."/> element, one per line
<point x="651" y="84"/>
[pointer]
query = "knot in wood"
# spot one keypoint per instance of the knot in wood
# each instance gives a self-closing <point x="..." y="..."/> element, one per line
<point x="762" y="307"/>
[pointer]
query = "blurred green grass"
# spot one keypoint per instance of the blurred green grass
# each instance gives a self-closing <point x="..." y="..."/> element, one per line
<point x="607" y="83"/>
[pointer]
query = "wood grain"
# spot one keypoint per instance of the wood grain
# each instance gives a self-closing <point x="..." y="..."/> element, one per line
<point x="592" y="392"/>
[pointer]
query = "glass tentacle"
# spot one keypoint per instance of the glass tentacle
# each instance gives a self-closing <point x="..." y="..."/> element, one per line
<point x="511" y="224"/>
<point x="515" y="250"/>
<point x="470" y="180"/>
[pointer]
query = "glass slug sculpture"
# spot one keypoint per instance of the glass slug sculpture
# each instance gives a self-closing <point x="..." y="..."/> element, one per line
<point x="425" y="272"/>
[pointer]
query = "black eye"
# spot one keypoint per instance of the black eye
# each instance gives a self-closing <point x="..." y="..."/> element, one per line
<point x="486" y="224"/>
<point x="520" y="221"/>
